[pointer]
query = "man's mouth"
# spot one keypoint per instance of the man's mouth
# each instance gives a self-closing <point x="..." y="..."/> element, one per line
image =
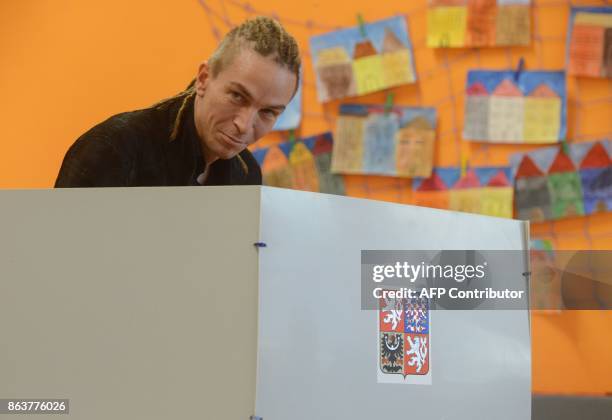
<point x="231" y="140"/>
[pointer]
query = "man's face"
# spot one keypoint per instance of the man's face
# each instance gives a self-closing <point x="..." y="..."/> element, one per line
<point x="241" y="104"/>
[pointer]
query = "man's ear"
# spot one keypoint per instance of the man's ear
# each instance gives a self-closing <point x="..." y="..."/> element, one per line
<point x="202" y="78"/>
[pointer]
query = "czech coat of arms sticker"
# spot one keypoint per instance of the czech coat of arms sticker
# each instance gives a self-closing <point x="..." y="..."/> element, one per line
<point x="404" y="341"/>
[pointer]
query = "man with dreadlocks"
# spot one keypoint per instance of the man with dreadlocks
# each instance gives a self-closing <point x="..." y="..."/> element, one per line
<point x="198" y="137"/>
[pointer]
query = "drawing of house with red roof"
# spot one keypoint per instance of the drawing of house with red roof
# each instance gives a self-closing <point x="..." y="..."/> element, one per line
<point x="476" y="113"/>
<point x="565" y="187"/>
<point x="542" y="119"/>
<point x="531" y="194"/>
<point x="506" y="113"/>
<point x="367" y="68"/>
<point x="596" y="180"/>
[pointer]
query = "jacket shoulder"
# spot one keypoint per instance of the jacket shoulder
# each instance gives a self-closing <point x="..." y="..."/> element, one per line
<point x="104" y="155"/>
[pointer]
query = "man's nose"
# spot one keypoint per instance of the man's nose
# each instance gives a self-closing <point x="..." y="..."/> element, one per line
<point x="244" y="119"/>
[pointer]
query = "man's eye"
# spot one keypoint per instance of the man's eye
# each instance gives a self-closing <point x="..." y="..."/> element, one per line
<point x="268" y="113"/>
<point x="236" y="96"/>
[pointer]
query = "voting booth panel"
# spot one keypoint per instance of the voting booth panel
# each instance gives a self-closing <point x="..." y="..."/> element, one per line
<point x="318" y="354"/>
<point x="227" y="302"/>
<point x="133" y="303"/>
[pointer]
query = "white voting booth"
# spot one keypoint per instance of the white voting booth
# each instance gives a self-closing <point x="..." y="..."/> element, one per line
<point x="155" y="303"/>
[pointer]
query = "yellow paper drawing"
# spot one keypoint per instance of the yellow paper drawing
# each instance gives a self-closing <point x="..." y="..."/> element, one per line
<point x="368" y="68"/>
<point x="446" y="26"/>
<point x="490" y="201"/>
<point x="496" y="201"/>
<point x="542" y="110"/>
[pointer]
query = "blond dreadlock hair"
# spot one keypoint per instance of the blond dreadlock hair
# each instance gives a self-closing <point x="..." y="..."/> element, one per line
<point x="264" y="35"/>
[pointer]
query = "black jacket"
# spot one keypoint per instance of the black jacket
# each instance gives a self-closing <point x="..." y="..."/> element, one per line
<point x="134" y="149"/>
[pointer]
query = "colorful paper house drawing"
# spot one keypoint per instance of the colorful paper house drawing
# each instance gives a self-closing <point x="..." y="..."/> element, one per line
<point x="362" y="59"/>
<point x="481" y="190"/>
<point x="506" y="113"/>
<point x="335" y="71"/>
<point x="415" y="139"/>
<point x="302" y="164"/>
<point x="368" y="68"/>
<point x="578" y="178"/>
<point x="565" y="187"/>
<point x="596" y="178"/>
<point x="585" y="51"/>
<point x="373" y="141"/>
<point x="396" y="61"/>
<point x="497" y="110"/>
<point x="590" y="42"/>
<point x="542" y="111"/>
<point x="477" y="113"/>
<point x="531" y="196"/>
<point x="478" y="23"/>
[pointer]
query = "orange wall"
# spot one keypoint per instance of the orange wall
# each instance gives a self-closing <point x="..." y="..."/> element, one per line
<point x="68" y="64"/>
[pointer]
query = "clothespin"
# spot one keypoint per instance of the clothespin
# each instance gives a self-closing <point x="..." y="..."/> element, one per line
<point x="465" y="163"/>
<point x="564" y="146"/>
<point x="292" y="136"/>
<point x="389" y="103"/>
<point x="519" y="69"/>
<point x="361" y="25"/>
